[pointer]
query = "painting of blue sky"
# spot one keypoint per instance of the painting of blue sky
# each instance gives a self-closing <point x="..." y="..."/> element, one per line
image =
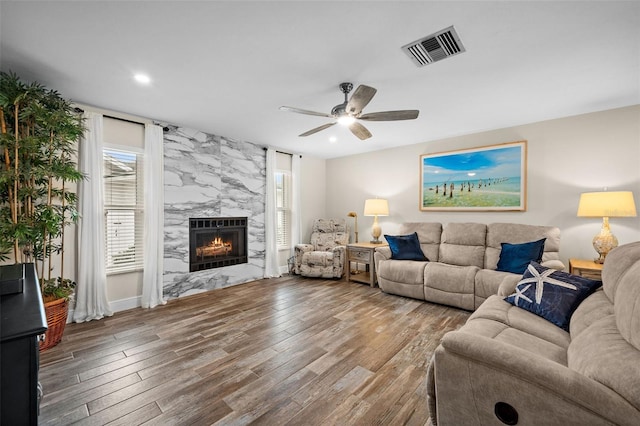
<point x="488" y="178"/>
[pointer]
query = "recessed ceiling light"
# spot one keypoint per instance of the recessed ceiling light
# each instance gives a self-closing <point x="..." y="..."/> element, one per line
<point x="333" y="139"/>
<point x="142" y="78"/>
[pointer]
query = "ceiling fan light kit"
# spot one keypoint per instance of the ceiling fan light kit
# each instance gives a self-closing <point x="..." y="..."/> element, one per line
<point x="350" y="111"/>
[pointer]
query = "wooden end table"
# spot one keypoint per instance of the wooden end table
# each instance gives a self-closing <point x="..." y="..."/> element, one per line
<point x="362" y="254"/>
<point x="586" y="268"/>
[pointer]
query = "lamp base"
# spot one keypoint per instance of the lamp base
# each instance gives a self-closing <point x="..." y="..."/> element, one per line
<point x="376" y="231"/>
<point x="605" y="241"/>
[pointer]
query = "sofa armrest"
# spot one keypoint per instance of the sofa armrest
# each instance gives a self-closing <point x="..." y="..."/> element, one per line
<point x="298" y="251"/>
<point x="383" y="253"/>
<point x="339" y="252"/>
<point x="508" y="285"/>
<point x="303" y="248"/>
<point x="380" y="254"/>
<point x="553" y="264"/>
<point x="478" y="370"/>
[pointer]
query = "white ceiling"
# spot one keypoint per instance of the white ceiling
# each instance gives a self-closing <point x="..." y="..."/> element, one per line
<point x="226" y="67"/>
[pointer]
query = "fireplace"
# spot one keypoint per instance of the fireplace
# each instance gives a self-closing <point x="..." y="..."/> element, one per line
<point x="217" y="242"/>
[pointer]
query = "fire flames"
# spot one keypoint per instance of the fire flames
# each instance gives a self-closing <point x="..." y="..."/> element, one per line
<point x="216" y="247"/>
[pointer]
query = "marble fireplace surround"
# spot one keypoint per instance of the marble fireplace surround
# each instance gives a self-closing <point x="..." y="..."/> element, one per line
<point x="210" y="176"/>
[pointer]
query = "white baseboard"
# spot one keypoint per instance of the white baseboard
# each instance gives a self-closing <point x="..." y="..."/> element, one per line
<point x="124" y="304"/>
<point x="115" y="306"/>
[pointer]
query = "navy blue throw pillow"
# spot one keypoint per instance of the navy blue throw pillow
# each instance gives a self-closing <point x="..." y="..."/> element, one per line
<point x="551" y="294"/>
<point x="515" y="258"/>
<point x="405" y="247"/>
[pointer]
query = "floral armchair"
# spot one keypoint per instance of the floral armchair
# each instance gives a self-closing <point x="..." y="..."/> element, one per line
<point x="325" y="256"/>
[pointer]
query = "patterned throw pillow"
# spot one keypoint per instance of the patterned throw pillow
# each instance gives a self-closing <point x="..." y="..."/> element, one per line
<point x="551" y="294"/>
<point x="405" y="247"/>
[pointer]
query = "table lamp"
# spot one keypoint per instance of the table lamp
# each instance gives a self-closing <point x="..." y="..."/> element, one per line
<point x="376" y="207"/>
<point x="605" y="205"/>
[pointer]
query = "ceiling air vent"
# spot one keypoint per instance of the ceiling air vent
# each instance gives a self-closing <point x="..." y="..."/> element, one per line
<point x="434" y="47"/>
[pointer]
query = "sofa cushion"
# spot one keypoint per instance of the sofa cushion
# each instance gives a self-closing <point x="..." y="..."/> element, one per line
<point x="490" y="282"/>
<point x="501" y="332"/>
<point x="329" y="233"/>
<point x="402" y="277"/>
<point x="496" y="309"/>
<point x="402" y="271"/>
<point x="551" y="294"/>
<point x="450" y="284"/>
<point x="589" y="311"/>
<point x="463" y="244"/>
<point x="515" y="258"/>
<point x="405" y="247"/>
<point x="515" y="233"/>
<point x="318" y="258"/>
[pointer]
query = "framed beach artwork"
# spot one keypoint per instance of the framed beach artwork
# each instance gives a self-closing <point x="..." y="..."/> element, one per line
<point x="488" y="178"/>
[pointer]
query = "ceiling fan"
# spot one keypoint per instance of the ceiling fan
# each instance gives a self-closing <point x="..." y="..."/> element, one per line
<point x="350" y="111"/>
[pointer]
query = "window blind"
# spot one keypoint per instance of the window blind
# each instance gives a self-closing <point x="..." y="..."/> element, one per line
<point x="123" y="205"/>
<point x="283" y="208"/>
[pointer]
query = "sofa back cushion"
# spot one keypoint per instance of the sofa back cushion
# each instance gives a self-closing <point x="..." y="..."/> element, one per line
<point x="429" y="234"/>
<point x="463" y="244"/>
<point x="329" y="233"/>
<point x="603" y="355"/>
<point x="515" y="233"/>
<point x="620" y="281"/>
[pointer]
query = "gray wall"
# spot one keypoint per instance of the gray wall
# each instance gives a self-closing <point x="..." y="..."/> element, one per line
<point x="566" y="156"/>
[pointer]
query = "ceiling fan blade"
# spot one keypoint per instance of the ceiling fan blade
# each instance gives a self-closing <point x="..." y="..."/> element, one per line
<point x="408" y="114"/>
<point x="359" y="130"/>
<point x="360" y="98"/>
<point x="317" y="129"/>
<point x="305" y="111"/>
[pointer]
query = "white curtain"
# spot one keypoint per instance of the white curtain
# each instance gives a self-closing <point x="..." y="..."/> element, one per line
<point x="91" y="289"/>
<point x="153" y="217"/>
<point x="296" y="222"/>
<point x="271" y="268"/>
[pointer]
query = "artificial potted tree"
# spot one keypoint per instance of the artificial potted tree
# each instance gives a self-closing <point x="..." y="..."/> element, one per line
<point x="39" y="131"/>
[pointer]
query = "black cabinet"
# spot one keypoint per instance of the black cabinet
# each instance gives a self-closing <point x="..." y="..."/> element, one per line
<point x="22" y="320"/>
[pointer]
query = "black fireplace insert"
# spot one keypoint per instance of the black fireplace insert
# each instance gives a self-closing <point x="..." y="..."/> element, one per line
<point x="217" y="242"/>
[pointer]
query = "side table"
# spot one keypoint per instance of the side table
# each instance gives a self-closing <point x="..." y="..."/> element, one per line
<point x="362" y="254"/>
<point x="585" y="268"/>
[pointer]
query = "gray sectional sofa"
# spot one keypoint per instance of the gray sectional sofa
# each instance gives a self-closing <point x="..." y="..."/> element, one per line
<point x="507" y="365"/>
<point x="461" y="270"/>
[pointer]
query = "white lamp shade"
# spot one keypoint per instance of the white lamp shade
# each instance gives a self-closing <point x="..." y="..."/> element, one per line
<point x="607" y="204"/>
<point x="376" y="207"/>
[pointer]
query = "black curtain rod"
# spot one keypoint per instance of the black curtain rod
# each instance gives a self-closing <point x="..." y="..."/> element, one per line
<point x="80" y="111"/>
<point x="123" y="119"/>
<point x="282" y="152"/>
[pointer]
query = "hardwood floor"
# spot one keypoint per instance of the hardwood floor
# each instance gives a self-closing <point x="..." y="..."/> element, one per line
<point x="280" y="351"/>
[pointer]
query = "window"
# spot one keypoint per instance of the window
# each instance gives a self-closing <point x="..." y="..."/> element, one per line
<point x="283" y="208"/>
<point x="123" y="205"/>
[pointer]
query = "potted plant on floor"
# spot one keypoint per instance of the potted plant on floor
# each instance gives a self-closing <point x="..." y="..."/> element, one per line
<point x="39" y="131"/>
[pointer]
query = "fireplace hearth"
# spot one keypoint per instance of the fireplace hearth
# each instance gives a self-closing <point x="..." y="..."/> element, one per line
<point x="217" y="242"/>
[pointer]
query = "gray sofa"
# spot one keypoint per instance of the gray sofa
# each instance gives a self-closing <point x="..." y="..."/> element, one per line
<point x="461" y="270"/>
<point x="509" y="366"/>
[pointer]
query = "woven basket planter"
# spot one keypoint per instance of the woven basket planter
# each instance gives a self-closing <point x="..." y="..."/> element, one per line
<point x="56" y="312"/>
